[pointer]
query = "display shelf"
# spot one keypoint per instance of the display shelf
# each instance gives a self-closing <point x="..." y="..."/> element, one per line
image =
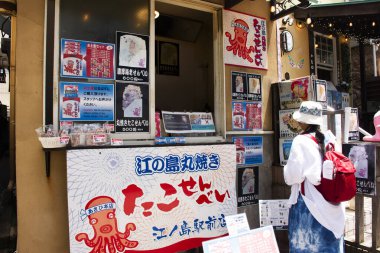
<point x="258" y="132"/>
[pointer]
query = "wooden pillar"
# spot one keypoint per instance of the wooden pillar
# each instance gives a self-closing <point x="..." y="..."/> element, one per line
<point x="359" y="219"/>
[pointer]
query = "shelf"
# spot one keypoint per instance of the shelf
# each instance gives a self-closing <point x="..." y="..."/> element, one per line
<point x="258" y="132"/>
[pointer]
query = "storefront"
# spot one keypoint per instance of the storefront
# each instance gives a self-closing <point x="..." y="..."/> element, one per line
<point x="194" y="77"/>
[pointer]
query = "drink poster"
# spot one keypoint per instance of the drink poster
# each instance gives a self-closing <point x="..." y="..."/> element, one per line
<point x="249" y="150"/>
<point x="285" y="146"/>
<point x="87" y="59"/>
<point x="274" y="213"/>
<point x="259" y="240"/>
<point x="188" y="122"/>
<point x="363" y="156"/>
<point x="132" y="59"/>
<point x="149" y="199"/>
<point x="294" y="92"/>
<point x="239" y="85"/>
<point x="245" y="40"/>
<point x="132" y="107"/>
<point x="254" y="87"/>
<point x="247" y="186"/>
<point x="86" y="102"/>
<point x="246" y="116"/>
<point x="289" y="128"/>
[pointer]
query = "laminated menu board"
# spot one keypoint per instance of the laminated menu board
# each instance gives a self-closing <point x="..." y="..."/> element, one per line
<point x="254" y="87"/>
<point x="247" y="186"/>
<point x="285" y="146"/>
<point x="249" y="150"/>
<point x="294" y="92"/>
<point x="289" y="127"/>
<point x="246" y="115"/>
<point x="87" y="59"/>
<point x="351" y="124"/>
<point x="188" y="122"/>
<point x="239" y="85"/>
<point x="274" y="212"/>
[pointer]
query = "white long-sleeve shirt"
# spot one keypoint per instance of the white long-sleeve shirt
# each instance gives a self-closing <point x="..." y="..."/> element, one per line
<point x="305" y="164"/>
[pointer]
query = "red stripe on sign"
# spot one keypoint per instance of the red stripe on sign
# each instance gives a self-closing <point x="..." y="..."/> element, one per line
<point x="179" y="246"/>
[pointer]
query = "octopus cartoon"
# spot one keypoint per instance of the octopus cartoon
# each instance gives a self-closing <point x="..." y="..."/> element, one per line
<point x="101" y="216"/>
<point x="239" y="43"/>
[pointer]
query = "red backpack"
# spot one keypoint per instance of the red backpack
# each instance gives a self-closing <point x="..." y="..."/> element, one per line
<point x="343" y="185"/>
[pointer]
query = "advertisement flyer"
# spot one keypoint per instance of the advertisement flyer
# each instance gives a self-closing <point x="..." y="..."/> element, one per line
<point x="237" y="224"/>
<point x="363" y="156"/>
<point x="289" y="128"/>
<point x="274" y="213"/>
<point x="245" y="40"/>
<point x="246" y="116"/>
<point x="249" y="150"/>
<point x="351" y="124"/>
<point x="188" y="122"/>
<point x="247" y="186"/>
<point x="132" y="107"/>
<point x="239" y="85"/>
<point x="294" y="92"/>
<point x="132" y="59"/>
<point x="259" y="240"/>
<point x="254" y="87"/>
<point x="87" y="59"/>
<point x="86" y="102"/>
<point x="285" y="145"/>
<point x="156" y="199"/>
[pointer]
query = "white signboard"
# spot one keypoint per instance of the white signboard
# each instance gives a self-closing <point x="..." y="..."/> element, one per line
<point x="274" y="213"/>
<point x="165" y="199"/>
<point x="245" y="40"/>
<point x="237" y="224"/>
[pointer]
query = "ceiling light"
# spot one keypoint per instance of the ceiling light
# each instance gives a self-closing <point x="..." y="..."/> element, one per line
<point x="156" y="14"/>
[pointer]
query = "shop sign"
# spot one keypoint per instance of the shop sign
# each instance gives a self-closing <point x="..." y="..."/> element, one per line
<point x="132" y="61"/>
<point x="87" y="59"/>
<point x="151" y="199"/>
<point x="132" y="107"/>
<point x="86" y="102"/>
<point x="249" y="150"/>
<point x="247" y="186"/>
<point x="245" y="40"/>
<point x="246" y="116"/>
<point x="188" y="122"/>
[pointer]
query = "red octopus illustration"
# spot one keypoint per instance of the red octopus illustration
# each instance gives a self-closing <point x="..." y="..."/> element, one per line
<point x="239" y="43"/>
<point x="101" y="215"/>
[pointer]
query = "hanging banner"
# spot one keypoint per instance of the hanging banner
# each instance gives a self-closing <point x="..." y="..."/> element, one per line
<point x="86" y="101"/>
<point x="246" y="116"/>
<point x="247" y="186"/>
<point x="87" y="59"/>
<point x="188" y="122"/>
<point x="363" y="156"/>
<point x="132" y="107"/>
<point x="132" y="60"/>
<point x="249" y="150"/>
<point x="149" y="199"/>
<point x="245" y="40"/>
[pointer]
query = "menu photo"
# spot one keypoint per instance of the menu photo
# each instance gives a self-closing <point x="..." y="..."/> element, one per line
<point x="239" y="85"/>
<point x="289" y="128"/>
<point x="254" y="87"/>
<point x="246" y="116"/>
<point x="247" y="186"/>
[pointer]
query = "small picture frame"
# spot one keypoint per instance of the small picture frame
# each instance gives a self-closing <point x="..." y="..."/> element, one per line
<point x="168" y="59"/>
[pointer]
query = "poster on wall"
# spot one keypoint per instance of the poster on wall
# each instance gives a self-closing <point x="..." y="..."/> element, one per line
<point x="188" y="122"/>
<point x="245" y="40"/>
<point x="86" y="101"/>
<point x="246" y="116"/>
<point x="334" y="99"/>
<point x="87" y="59"/>
<point x="132" y="107"/>
<point x="320" y="90"/>
<point x="254" y="87"/>
<point x="285" y="145"/>
<point x="261" y="240"/>
<point x="289" y="128"/>
<point x="294" y="92"/>
<point x="239" y="85"/>
<point x="247" y="186"/>
<point x="161" y="199"/>
<point x="363" y="156"/>
<point x="249" y="150"/>
<point x="132" y="58"/>
<point x="168" y="58"/>
<point x="351" y="124"/>
<point x="275" y="213"/>
<point x="345" y="100"/>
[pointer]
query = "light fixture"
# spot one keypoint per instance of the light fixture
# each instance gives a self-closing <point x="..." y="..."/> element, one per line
<point x="156" y="14"/>
<point x="272" y="9"/>
<point x="300" y="24"/>
<point x="288" y="21"/>
<point x="316" y="46"/>
<point x="308" y="20"/>
<point x="330" y="24"/>
<point x="86" y="17"/>
<point x="312" y="25"/>
<point x="373" y="23"/>
<point x="346" y="39"/>
<point x="350" y="24"/>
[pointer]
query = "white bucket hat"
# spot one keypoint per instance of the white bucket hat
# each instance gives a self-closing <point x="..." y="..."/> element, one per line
<point x="310" y="113"/>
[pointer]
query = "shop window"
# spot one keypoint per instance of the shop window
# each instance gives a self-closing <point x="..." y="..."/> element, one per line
<point x="325" y="51"/>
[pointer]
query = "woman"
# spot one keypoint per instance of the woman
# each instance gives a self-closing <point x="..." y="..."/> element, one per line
<point x="315" y="225"/>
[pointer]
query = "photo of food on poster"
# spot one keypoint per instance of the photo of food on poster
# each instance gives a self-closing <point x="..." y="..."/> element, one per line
<point x="285" y="145"/>
<point x="132" y="57"/>
<point x="239" y="85"/>
<point x="247" y="186"/>
<point x="363" y="156"/>
<point x="274" y="213"/>
<point x="246" y="116"/>
<point x="320" y="90"/>
<point x="249" y="150"/>
<point x="351" y="124"/>
<point x="294" y="92"/>
<point x="132" y="107"/>
<point x="244" y="40"/>
<point x="86" y="101"/>
<point x="289" y="128"/>
<point x="87" y="59"/>
<point x="254" y="87"/>
<point x="188" y="122"/>
<point x="149" y="198"/>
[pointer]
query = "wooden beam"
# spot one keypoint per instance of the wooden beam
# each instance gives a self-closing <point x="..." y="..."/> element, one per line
<point x="231" y="3"/>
